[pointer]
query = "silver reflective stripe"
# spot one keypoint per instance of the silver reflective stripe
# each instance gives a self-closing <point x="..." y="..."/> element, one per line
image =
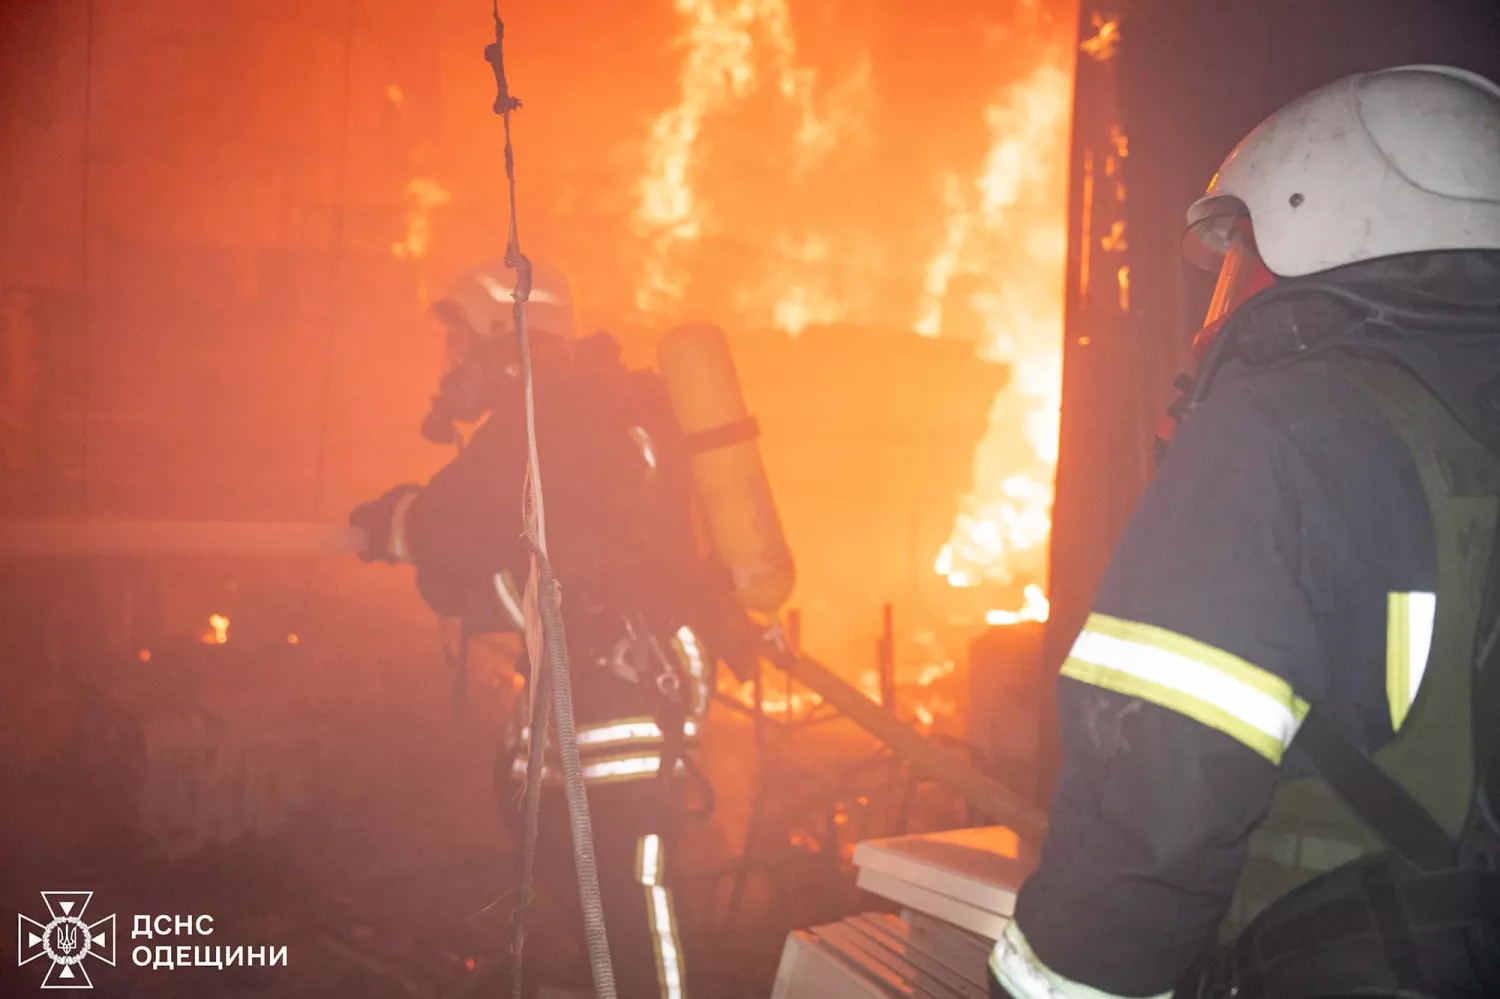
<point x="636" y="731"/>
<point x="643" y="441"/>
<point x="398" y="547"/>
<point x="604" y="771"/>
<point x="648" y="860"/>
<point x="1182" y="674"/>
<point x="509" y="601"/>
<point x="627" y="732"/>
<point x="668" y="952"/>
<point x="692" y="651"/>
<point x="1024" y="976"/>
<point x="664" y="939"/>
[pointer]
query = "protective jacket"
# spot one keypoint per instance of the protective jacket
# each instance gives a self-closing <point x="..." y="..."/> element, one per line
<point x="642" y="611"/>
<point x="1301" y="545"/>
<point x="637" y="595"/>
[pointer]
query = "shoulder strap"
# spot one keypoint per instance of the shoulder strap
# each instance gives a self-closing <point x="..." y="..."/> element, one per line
<point x="1380" y="801"/>
<point x="1487" y="710"/>
<point x="1452" y="467"/>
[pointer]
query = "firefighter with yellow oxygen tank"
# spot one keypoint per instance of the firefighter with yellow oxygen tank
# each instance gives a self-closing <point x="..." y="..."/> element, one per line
<point x="628" y="461"/>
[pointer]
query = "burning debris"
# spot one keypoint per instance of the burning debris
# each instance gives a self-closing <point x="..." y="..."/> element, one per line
<point x="218" y="630"/>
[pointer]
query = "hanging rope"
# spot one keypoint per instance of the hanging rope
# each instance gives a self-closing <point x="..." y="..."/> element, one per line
<point x="87" y="404"/>
<point x="545" y="636"/>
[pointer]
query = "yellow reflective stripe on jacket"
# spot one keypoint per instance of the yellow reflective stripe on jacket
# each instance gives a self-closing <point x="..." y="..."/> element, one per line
<point x="1190" y="677"/>
<point x="606" y="770"/>
<point x="665" y="940"/>
<point x="603" y="737"/>
<point x="1408" y="640"/>
<point x="690" y="653"/>
<point x="648" y="856"/>
<point x="1024" y="976"/>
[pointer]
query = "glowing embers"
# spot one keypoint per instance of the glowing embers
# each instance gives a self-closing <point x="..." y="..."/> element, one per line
<point x="423" y="197"/>
<point x="776" y="699"/>
<point x="218" y="630"/>
<point x="1106" y="38"/>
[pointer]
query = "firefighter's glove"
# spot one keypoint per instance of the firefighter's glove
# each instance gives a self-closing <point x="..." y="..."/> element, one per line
<point x="384" y="521"/>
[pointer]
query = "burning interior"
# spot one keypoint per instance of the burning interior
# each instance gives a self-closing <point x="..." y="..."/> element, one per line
<point x="226" y="227"/>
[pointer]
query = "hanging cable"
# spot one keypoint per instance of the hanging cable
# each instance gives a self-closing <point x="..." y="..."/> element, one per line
<point x="545" y="637"/>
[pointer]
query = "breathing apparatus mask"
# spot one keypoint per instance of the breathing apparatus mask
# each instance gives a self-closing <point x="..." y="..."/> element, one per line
<point x="475" y="371"/>
<point x="482" y="358"/>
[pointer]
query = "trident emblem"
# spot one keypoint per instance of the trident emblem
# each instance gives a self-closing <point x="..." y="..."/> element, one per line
<point x="66" y="940"/>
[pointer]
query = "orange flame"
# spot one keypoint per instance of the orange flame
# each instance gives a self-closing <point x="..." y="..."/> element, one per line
<point x="1036" y="608"/>
<point x="424" y="196"/>
<point x="1008" y="232"/>
<point x="218" y="633"/>
<point x="926" y="705"/>
<point x="733" y="48"/>
<point x="1106" y="38"/>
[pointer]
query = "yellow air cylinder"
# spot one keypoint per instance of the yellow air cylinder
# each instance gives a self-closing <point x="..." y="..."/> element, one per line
<point x="727" y="469"/>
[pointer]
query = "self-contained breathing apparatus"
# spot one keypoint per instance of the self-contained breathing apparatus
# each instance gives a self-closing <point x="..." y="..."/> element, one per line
<point x="1419" y="913"/>
<point x="1359" y="229"/>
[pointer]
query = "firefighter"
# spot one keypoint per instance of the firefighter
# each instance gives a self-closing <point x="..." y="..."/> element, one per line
<point x="1276" y="742"/>
<point x="641" y="607"/>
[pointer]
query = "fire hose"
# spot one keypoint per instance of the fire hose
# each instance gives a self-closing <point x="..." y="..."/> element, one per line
<point x="544" y="627"/>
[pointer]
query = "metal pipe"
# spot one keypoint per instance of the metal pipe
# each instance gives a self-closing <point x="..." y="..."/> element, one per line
<point x="82" y="538"/>
<point x="794" y="639"/>
<point x="887" y="658"/>
<point x="954" y="772"/>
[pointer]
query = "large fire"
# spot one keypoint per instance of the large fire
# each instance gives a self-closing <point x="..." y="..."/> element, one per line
<point x="1008" y="230"/>
<point x="994" y="273"/>
<point x="719" y="67"/>
<point x="735" y="51"/>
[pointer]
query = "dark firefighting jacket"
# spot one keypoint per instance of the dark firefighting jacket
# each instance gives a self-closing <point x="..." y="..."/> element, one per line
<point x="621" y="543"/>
<point x="1283" y="556"/>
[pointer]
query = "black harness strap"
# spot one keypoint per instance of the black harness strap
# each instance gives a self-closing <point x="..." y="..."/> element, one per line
<point x="734" y="432"/>
<point x="1393" y="925"/>
<point x="1376" y="797"/>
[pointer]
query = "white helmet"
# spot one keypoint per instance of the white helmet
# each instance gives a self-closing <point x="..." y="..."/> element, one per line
<point x="1403" y="160"/>
<point x="480" y="302"/>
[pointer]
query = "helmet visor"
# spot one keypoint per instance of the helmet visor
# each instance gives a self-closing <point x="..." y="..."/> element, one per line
<point x="1241" y="275"/>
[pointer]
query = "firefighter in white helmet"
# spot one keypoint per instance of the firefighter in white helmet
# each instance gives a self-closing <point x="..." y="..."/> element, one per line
<point x="1280" y="720"/>
<point x="646" y="614"/>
